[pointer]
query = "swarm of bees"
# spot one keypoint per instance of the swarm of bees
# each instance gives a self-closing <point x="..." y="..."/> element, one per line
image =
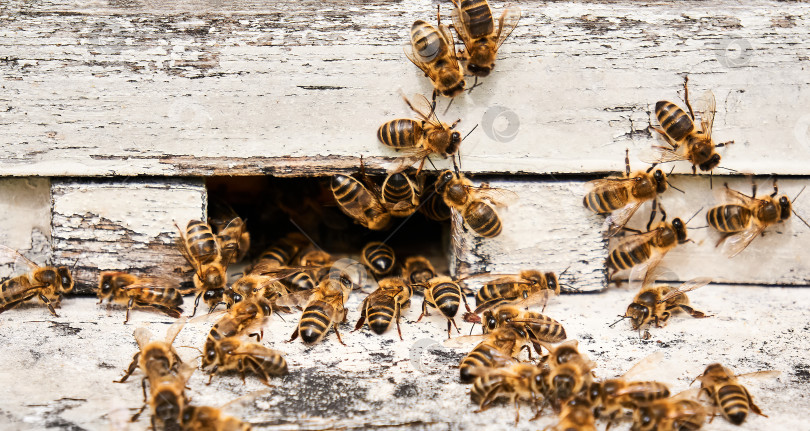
<point x="294" y="274"/>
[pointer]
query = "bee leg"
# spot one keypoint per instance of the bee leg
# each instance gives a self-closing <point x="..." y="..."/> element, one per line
<point x="48" y="304"/>
<point x="241" y="367"/>
<point x="129" y="307"/>
<point x="196" y="303"/>
<point x="653" y="213"/>
<point x="338" y="335"/>
<point x="694" y="313"/>
<point x="464" y="298"/>
<point x="362" y="319"/>
<point x="627" y="162"/>
<point x="259" y="335"/>
<point x="516" y="401"/>
<point x="424" y="311"/>
<point x="775" y="188"/>
<point x="135" y="417"/>
<point x="211" y="376"/>
<point x="453" y="320"/>
<point x="686" y="96"/>
<point x="132" y="367"/>
<point x="294" y="335"/>
<point x="751" y="404"/>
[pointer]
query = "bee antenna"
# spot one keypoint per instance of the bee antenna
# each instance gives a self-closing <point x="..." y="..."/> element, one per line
<point x="621" y="317"/>
<point x="431" y="163"/>
<point x="671" y="170"/>
<point x="798" y="194"/>
<point x="800" y="218"/>
<point x="472" y="327"/>
<point x="670" y="184"/>
<point x="455" y="165"/>
<point x="193" y="347"/>
<point x="728" y="169"/>
<point x="468" y="133"/>
<point x="693" y="215"/>
<point x="448" y="106"/>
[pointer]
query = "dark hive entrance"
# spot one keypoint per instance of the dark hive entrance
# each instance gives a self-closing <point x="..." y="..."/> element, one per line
<point x="272" y="207"/>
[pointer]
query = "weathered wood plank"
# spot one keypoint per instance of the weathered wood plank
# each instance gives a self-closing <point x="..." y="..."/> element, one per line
<point x="124" y="225"/>
<point x="25" y="208"/>
<point x="133" y="88"/>
<point x="549" y="229"/>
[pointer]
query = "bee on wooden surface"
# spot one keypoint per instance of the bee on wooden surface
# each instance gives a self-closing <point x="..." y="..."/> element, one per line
<point x="204" y="418"/>
<point x="379" y="258"/>
<point x="539" y="327"/>
<point x="678" y="130"/>
<point x="569" y="372"/>
<point x="254" y="285"/>
<point x="148" y="292"/>
<point x="473" y="21"/>
<point x="575" y="415"/>
<point x="476" y="205"/>
<point x="155" y="358"/>
<point x="656" y="304"/>
<point x="677" y="413"/>
<point x="609" y="397"/>
<point x="516" y="381"/>
<point x="498" y="348"/>
<point x="433" y="50"/>
<point x="167" y="399"/>
<point x="643" y="251"/>
<point x="385" y="304"/>
<point x="233" y="354"/>
<point x="280" y="254"/>
<point x="621" y="197"/>
<point x="241" y="317"/>
<point x="324" y="308"/>
<point x="445" y="294"/>
<point x="422" y="137"/>
<point x="357" y="202"/>
<point x="400" y="194"/>
<point x="510" y="288"/>
<point x="232" y="235"/>
<point x="200" y="248"/>
<point x="725" y="392"/>
<point x="417" y="270"/>
<point x="748" y="217"/>
<point x="47" y="283"/>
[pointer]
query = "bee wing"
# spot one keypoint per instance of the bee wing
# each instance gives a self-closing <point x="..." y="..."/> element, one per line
<point x="142" y="337"/>
<point x="416" y="155"/>
<point x="645" y="271"/>
<point x="11" y="256"/>
<point x="450" y="46"/>
<point x="151" y="283"/>
<point x="541" y="296"/>
<point x="617" y="219"/>
<point x="659" y="154"/>
<point x="607" y="183"/>
<point x="464" y="340"/>
<point x="500" y="367"/>
<point x="255" y="349"/>
<point x="498" y="197"/>
<point x="461" y="22"/>
<point x="706" y="107"/>
<point x="182" y="246"/>
<point x="507" y="23"/>
<point x="175" y="329"/>
<point x="418" y="60"/>
<point x="763" y="374"/>
<point x="737" y="242"/>
<point x="646" y="364"/>
<point x="688" y="394"/>
<point x="689" y="286"/>
<point x="735" y="196"/>
<point x="295" y="299"/>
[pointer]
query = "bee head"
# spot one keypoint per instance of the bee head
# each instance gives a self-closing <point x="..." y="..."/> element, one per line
<point x="105" y="286"/>
<point x="660" y="181"/>
<point x="638" y="314"/>
<point x="551" y="281"/>
<point x="680" y="230"/>
<point x="455" y="141"/>
<point x="490" y="322"/>
<point x="478" y="70"/>
<point x="214" y="296"/>
<point x="784" y="208"/>
<point x="710" y="164"/>
<point x="443" y="181"/>
<point x="65" y="279"/>
<point x="563" y="385"/>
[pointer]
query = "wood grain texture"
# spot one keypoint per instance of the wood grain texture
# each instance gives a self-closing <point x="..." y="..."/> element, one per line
<point x="121" y="225"/>
<point x="550" y="229"/>
<point x="97" y="87"/>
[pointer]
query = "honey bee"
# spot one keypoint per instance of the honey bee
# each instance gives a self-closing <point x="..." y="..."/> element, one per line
<point x="528" y="283"/>
<point x="421" y="137"/>
<point x="498" y="348"/>
<point x="576" y="415"/>
<point x="622" y="196"/>
<point x="232" y="236"/>
<point x="385" y="304"/>
<point x="678" y="129"/>
<point x="609" y="397"/>
<point x="445" y="294"/>
<point x="431" y="204"/>
<point x="315" y="257"/>
<point x="569" y="372"/>
<point x="417" y="270"/>
<point x="167" y="399"/>
<point x="476" y="205"/>
<point x="200" y="248"/>
<point x="204" y="418"/>
<point x="47" y="283"/>
<point x="254" y="285"/>
<point x="643" y="251"/>
<point x="473" y="21"/>
<point x="740" y="223"/>
<point x="669" y="414"/>
<point x="733" y="399"/>
<point x="379" y="258"/>
<point x="147" y="292"/>
<point x="399" y="194"/>
<point x="244" y="315"/>
<point x="517" y="381"/>
<point x="357" y="202"/>
<point x="324" y="307"/>
<point x="656" y="304"/>
<point x="540" y="328"/>
<point x="155" y="358"/>
<point x="232" y="354"/>
<point x="434" y="52"/>
<point x="280" y="254"/>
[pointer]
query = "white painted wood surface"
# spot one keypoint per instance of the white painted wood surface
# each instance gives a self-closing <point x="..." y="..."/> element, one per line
<point x="122" y="225"/>
<point x="68" y="364"/>
<point x="95" y="87"/>
<point x="25" y="208"/>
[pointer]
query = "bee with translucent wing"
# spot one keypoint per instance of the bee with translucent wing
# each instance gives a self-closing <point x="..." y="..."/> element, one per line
<point x="324" y="308"/>
<point x="385" y="304"/>
<point x="727" y="394"/>
<point x="149" y="292"/>
<point x="433" y="50"/>
<point x="47" y="283"/>
<point x="473" y="21"/>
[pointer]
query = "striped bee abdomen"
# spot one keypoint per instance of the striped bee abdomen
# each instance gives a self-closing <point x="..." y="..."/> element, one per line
<point x="606" y="200"/>
<point x="401" y="133"/>
<point x="379" y="257"/>
<point x="621" y="259"/>
<point x="483" y="219"/>
<point x="733" y="400"/>
<point x="480" y="17"/>
<point x="674" y="120"/>
<point x="447" y="297"/>
<point x="397" y="188"/>
<point x="484" y="388"/>
<point x="729" y="218"/>
<point x="315" y="322"/>
<point x="483" y="355"/>
<point x="428" y="45"/>
<point x="380" y="317"/>
<point x="201" y="242"/>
